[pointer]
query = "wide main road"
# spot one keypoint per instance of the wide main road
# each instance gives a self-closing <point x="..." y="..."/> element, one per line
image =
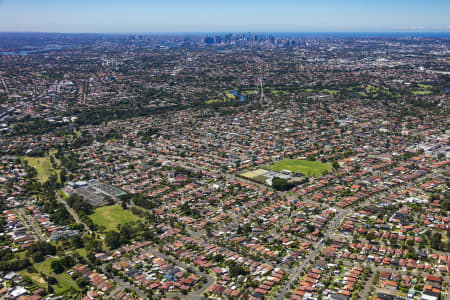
<point x="334" y="224"/>
<point x="315" y="249"/>
<point x="31" y="224"/>
<point x="4" y="85"/>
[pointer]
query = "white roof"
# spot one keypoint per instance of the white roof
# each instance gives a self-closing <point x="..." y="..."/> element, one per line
<point x="19" y="291"/>
<point x="428" y="297"/>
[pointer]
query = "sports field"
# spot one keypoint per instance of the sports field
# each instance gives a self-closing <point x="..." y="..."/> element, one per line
<point x="306" y="167"/>
<point x="111" y="216"/>
<point x="255" y="173"/>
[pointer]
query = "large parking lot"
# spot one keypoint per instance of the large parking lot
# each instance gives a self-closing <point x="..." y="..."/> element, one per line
<point x="96" y="192"/>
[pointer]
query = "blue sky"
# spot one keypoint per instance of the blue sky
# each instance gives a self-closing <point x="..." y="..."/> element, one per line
<point x="224" y="15"/>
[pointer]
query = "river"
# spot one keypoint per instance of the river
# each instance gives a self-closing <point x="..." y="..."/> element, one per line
<point x="241" y="98"/>
<point x="31" y="51"/>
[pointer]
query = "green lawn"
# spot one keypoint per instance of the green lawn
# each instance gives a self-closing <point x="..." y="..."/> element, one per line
<point x="425" y="90"/>
<point x="229" y="95"/>
<point x="330" y="92"/>
<point x="111" y="216"/>
<point x="35" y="277"/>
<point x="421" y="93"/>
<point x="308" y="168"/>
<point x="42" y="166"/>
<point x="82" y="252"/>
<point x="215" y="101"/>
<point x="370" y="88"/>
<point x="63" y="194"/>
<point x="77" y="133"/>
<point x="277" y="92"/>
<point x="65" y="283"/>
<point x="249" y="92"/>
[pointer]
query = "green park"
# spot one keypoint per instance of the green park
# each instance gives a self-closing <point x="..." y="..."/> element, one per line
<point x="306" y="167"/>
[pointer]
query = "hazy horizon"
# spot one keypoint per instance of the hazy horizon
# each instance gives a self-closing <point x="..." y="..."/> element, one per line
<point x="199" y="33"/>
<point x="201" y="16"/>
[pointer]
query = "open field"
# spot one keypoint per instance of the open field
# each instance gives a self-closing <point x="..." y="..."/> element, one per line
<point x="42" y="166"/>
<point x="249" y="92"/>
<point x="255" y="173"/>
<point x="306" y="167"/>
<point x="421" y="93"/>
<point x="229" y="95"/>
<point x="77" y="133"/>
<point x="425" y="90"/>
<point x="65" y="283"/>
<point x="35" y="277"/>
<point x="214" y="101"/>
<point x="111" y="216"/>
<point x="330" y="92"/>
<point x="275" y="91"/>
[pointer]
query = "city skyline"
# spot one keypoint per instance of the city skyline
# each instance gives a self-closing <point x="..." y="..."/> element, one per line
<point x="138" y="16"/>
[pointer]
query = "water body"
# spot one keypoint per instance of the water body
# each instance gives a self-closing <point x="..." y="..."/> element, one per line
<point x="241" y="98"/>
<point x="31" y="51"/>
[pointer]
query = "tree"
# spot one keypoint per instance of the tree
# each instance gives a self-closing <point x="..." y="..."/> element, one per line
<point x="91" y="257"/>
<point x="124" y="203"/>
<point x="370" y="236"/>
<point x="436" y="240"/>
<point x="14" y="265"/>
<point x="209" y="232"/>
<point x="108" y="268"/>
<point x="112" y="239"/>
<point x="38" y="256"/>
<point x="335" y="165"/>
<point x="77" y="242"/>
<point x="280" y="184"/>
<point x="43" y="247"/>
<point x="57" y="266"/>
<point x="82" y="282"/>
<point x="236" y="270"/>
<point x="63" y="175"/>
<point x="80" y="205"/>
<point x="219" y="258"/>
<point x="51" y="280"/>
<point x="445" y="205"/>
